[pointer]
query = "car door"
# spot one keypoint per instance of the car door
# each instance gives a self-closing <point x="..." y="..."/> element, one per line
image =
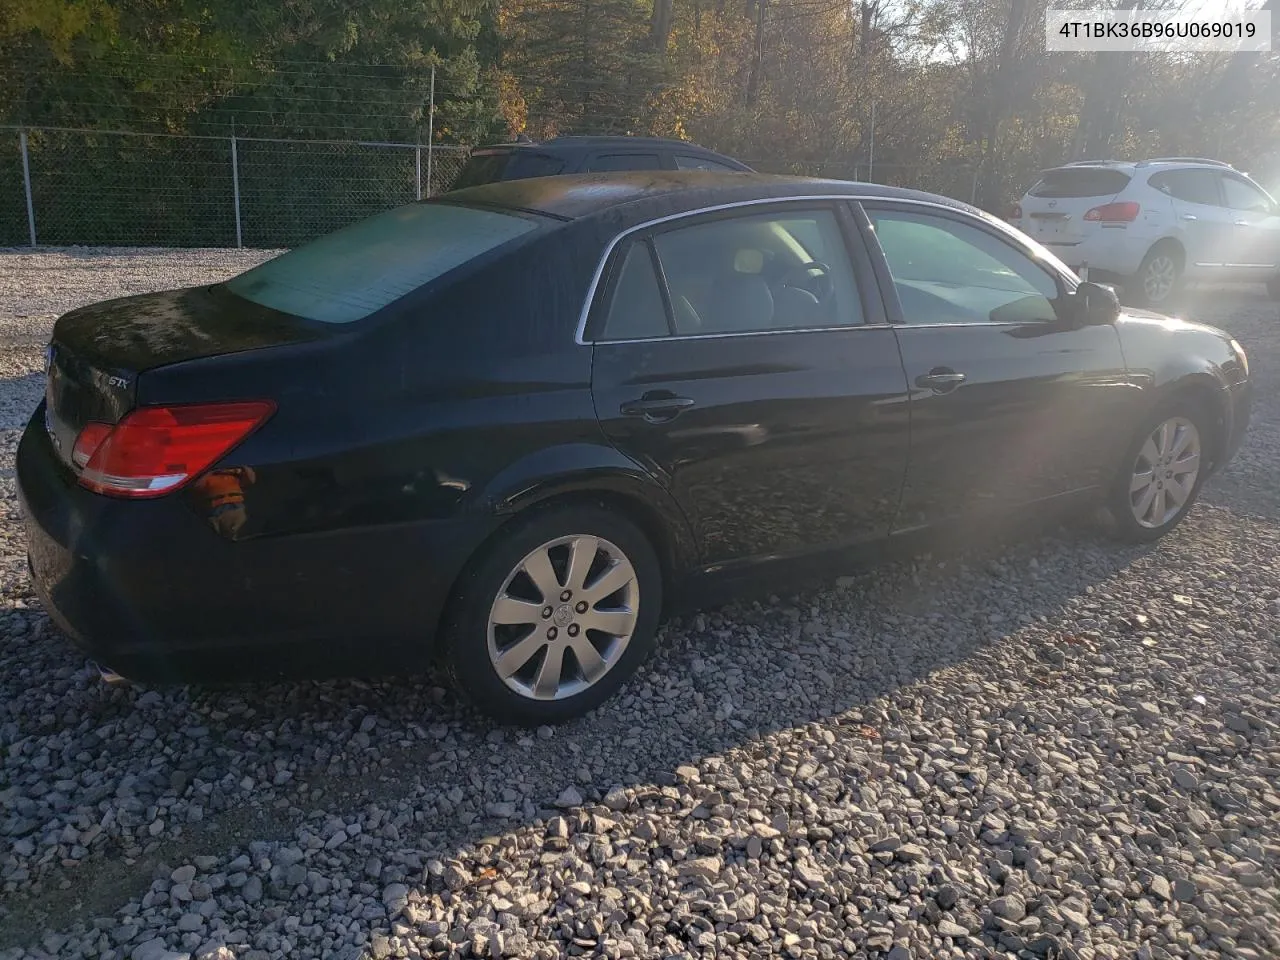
<point x="1201" y="222"/>
<point x="738" y="356"/>
<point x="1254" y="252"/>
<point x="1011" y="402"/>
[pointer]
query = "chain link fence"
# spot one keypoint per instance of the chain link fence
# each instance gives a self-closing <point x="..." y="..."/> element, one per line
<point x="63" y="186"/>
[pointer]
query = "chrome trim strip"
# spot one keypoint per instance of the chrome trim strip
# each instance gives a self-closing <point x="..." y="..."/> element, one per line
<point x="681" y="338"/>
<point x="580" y="332"/>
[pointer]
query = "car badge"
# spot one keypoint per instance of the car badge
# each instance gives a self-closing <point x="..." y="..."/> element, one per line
<point x="1052" y="204"/>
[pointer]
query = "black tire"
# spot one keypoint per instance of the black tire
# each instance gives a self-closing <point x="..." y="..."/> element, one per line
<point x="1273" y="288"/>
<point x="1161" y="258"/>
<point x="1121" y="500"/>
<point x="466" y="634"/>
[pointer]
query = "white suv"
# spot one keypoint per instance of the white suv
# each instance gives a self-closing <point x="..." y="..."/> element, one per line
<point x="1152" y="225"/>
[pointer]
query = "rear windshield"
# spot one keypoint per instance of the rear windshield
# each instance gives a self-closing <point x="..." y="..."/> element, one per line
<point x="347" y="275"/>
<point x="1080" y="182"/>
<point x="491" y="167"/>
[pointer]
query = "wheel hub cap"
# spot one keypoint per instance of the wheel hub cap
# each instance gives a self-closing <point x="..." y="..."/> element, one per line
<point x="1160" y="277"/>
<point x="1165" y="473"/>
<point x="563" y="618"/>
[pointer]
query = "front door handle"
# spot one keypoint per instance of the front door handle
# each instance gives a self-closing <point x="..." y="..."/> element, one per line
<point x="1242" y="223"/>
<point x="1189" y="216"/>
<point x="940" y="380"/>
<point x="655" y="407"/>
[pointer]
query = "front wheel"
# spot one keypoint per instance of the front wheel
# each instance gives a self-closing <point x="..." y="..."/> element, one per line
<point x="555" y="617"/>
<point x="1160" y="476"/>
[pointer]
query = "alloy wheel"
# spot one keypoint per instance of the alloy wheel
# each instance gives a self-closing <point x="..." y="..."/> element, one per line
<point x="563" y="618"/>
<point x="1160" y="277"/>
<point x="1165" y="473"/>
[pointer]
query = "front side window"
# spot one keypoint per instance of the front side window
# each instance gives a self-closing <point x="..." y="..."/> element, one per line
<point x="347" y="275"/>
<point x="1242" y="195"/>
<point x="759" y="272"/>
<point x="946" y="271"/>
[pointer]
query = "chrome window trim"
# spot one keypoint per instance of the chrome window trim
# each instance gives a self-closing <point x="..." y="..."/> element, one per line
<point x="579" y="337"/>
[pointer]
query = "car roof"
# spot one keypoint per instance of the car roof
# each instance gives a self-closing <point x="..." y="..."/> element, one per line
<point x="1131" y="167"/>
<point x="642" y="195"/>
<point x="583" y="142"/>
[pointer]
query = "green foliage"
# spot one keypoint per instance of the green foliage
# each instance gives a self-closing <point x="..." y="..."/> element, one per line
<point x="957" y="96"/>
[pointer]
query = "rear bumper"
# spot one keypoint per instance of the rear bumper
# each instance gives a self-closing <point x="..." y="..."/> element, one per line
<point x="149" y="591"/>
<point x="1112" y="250"/>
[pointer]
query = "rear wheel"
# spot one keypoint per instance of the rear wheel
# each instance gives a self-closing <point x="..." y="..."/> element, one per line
<point x="556" y="616"/>
<point x="1160" y="477"/>
<point x="1159" y="280"/>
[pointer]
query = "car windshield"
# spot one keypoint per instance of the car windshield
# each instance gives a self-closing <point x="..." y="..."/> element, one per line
<point x="347" y="275"/>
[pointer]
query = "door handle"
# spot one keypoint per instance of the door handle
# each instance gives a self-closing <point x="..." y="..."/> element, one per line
<point x="940" y="380"/>
<point x="1242" y="223"/>
<point x="655" y="408"/>
<point x="1189" y="216"/>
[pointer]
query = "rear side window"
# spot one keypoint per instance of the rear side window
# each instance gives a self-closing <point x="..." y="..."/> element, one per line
<point x="701" y="163"/>
<point x="636" y="310"/>
<point x="1080" y="182"/>
<point x="498" y="165"/>
<point x="526" y="164"/>
<point x="1191" y="186"/>
<point x="481" y="168"/>
<point x="624" y="161"/>
<point x="347" y="275"/>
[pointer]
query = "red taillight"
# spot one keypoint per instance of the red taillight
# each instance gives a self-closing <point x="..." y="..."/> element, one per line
<point x="1016" y="212"/>
<point x="1125" y="212"/>
<point x="88" y="442"/>
<point x="155" y="450"/>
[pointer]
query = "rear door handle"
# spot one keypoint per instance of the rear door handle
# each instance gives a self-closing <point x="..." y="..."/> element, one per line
<point x="1242" y="223"/>
<point x="1189" y="216"/>
<point x="940" y="380"/>
<point x="655" y="408"/>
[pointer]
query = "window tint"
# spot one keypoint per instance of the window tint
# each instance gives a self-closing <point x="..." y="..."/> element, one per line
<point x="481" y="168"/>
<point x="495" y="165"/>
<point x="700" y="163"/>
<point x="1240" y="195"/>
<point x="1080" y="182"/>
<point x="347" y="275"/>
<point x="624" y="161"/>
<point x="526" y="164"/>
<point x="782" y="271"/>
<point x="949" y="272"/>
<point x="1191" y="186"/>
<point x="636" y="309"/>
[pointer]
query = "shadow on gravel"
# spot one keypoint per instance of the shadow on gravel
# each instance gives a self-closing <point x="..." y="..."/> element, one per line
<point x="724" y="680"/>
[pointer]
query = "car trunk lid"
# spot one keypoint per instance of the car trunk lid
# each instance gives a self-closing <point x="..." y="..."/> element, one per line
<point x="1053" y="209"/>
<point x="98" y="352"/>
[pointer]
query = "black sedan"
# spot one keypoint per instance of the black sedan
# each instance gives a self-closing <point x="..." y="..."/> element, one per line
<point x="507" y="426"/>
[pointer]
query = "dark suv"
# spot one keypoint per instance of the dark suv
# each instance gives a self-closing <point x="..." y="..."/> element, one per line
<point x="519" y="161"/>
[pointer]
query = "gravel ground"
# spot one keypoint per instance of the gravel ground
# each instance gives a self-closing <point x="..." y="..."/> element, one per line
<point x="1051" y="748"/>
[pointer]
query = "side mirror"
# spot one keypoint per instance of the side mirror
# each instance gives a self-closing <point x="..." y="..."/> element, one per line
<point x="1096" y="303"/>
